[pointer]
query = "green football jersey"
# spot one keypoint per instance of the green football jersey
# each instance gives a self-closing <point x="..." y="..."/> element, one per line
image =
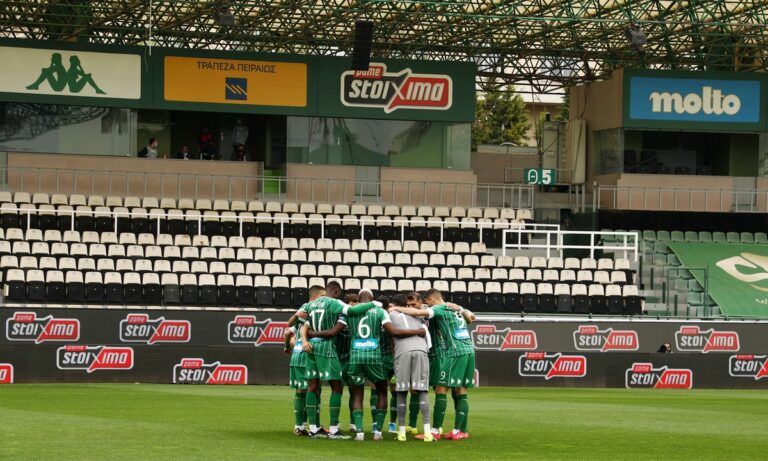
<point x="386" y="346"/>
<point x="432" y="328"/>
<point x="453" y="337"/>
<point x="298" y="357"/>
<point x="322" y="314"/>
<point x="342" y="341"/>
<point x="365" y="330"/>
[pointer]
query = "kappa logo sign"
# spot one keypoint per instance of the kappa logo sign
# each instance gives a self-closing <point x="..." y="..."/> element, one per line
<point x="26" y="326"/>
<point x="692" y="339"/>
<point x="196" y="371"/>
<point x="139" y="328"/>
<point x="246" y="329"/>
<point x="644" y="376"/>
<point x="376" y="87"/>
<point x="548" y="366"/>
<point x="487" y="337"/>
<point x="6" y="373"/>
<point x="92" y="358"/>
<point x="590" y="338"/>
<point x="748" y="366"/>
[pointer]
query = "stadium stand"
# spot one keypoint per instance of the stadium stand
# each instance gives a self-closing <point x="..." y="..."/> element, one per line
<point x="197" y="257"/>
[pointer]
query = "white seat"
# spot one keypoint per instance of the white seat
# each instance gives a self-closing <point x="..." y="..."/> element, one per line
<point x="596" y="290"/>
<point x="544" y="289"/>
<point x="527" y="288"/>
<point x="539" y="262"/>
<point x="562" y="289"/>
<point x="522" y="262"/>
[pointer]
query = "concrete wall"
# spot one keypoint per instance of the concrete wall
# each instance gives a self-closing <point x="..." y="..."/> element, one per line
<point x="428" y="186"/>
<point x="489" y="167"/>
<point x="320" y="183"/>
<point x="123" y="176"/>
<point x="674" y="192"/>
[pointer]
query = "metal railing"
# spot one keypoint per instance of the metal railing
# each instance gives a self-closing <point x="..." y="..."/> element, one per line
<point x="281" y="221"/>
<point x="277" y="188"/>
<point x="680" y="199"/>
<point x="670" y="291"/>
<point x="554" y="241"/>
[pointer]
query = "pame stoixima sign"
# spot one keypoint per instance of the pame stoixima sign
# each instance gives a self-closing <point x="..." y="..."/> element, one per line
<point x="139" y="328"/>
<point x="691" y="338"/>
<point x="246" y="329"/>
<point x="377" y="88"/>
<point x="6" y="373"/>
<point x="27" y="326"/>
<point x="748" y="366"/>
<point x="93" y="358"/>
<point x="488" y="337"/>
<point x="196" y="371"/>
<point x="591" y="338"/>
<point x="548" y="366"/>
<point x="645" y="376"/>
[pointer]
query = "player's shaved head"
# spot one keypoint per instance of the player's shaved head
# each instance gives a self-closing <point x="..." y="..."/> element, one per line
<point x="333" y="289"/>
<point x="399" y="300"/>
<point x="365" y="295"/>
<point x="434" y="297"/>
<point x="315" y="292"/>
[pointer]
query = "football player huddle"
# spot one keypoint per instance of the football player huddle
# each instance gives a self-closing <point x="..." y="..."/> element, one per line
<point x="403" y="346"/>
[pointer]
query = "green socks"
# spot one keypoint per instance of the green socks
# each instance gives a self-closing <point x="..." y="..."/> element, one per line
<point x="413" y="410"/>
<point x="299" y="410"/>
<point x="379" y="417"/>
<point x="441" y="402"/>
<point x="312" y="408"/>
<point x="374" y="401"/>
<point x="462" y="411"/>
<point x="335" y="408"/>
<point x="357" y="415"/>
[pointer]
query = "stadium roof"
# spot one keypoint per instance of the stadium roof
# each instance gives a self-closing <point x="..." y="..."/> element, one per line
<point x="542" y="44"/>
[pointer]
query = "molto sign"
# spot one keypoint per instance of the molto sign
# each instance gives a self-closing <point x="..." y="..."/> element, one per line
<point x="693" y="102"/>
<point x="82" y="74"/>
<point x="230" y="81"/>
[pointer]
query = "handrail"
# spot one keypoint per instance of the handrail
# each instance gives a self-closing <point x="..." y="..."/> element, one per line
<point x="680" y="199"/>
<point x="362" y="221"/>
<point x="278" y="188"/>
<point x="630" y="241"/>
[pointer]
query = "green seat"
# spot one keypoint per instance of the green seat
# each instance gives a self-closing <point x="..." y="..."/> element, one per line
<point x="733" y="237"/>
<point x="705" y="237"/>
<point x="659" y="259"/>
<point x="695" y="286"/>
<point x="660" y="248"/>
<point x="672" y="260"/>
<point x="662" y="236"/>
<point x="747" y="237"/>
<point x="761" y="237"/>
<point x="719" y="237"/>
<point x="691" y="236"/>
<point x="695" y="299"/>
<point x="684" y="273"/>
<point x="678" y="236"/>
<point x="649" y="235"/>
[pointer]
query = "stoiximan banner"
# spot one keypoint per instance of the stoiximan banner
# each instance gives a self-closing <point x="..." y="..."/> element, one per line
<point x="738" y="274"/>
<point x="82" y="74"/>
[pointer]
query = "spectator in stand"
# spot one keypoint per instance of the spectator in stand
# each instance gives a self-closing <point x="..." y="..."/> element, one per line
<point x="150" y="150"/>
<point x="240" y="155"/>
<point x="665" y="348"/>
<point x="184" y="153"/>
<point x="205" y="143"/>
<point x="239" y="138"/>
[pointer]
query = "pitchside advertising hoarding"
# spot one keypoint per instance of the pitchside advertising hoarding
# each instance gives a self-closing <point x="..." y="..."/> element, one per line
<point x="220" y="347"/>
<point x="694" y="100"/>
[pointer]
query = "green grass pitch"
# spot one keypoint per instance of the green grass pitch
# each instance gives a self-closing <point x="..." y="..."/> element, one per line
<point x="167" y="422"/>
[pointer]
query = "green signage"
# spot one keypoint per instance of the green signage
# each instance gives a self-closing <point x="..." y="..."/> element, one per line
<point x="738" y="274"/>
<point x="542" y="177"/>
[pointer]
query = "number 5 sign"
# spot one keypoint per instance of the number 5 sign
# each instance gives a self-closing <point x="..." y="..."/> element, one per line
<point x="539" y="176"/>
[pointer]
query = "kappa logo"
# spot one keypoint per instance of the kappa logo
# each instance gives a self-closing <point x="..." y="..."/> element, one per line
<point x="590" y="338"/>
<point x="487" y="337"/>
<point x="139" y="328"/>
<point x="548" y="366"/>
<point x="391" y="91"/>
<point x="6" y="373"/>
<point x="246" y="329"/>
<point x="644" y="376"/>
<point x="748" y="366"/>
<point x="26" y="326"/>
<point x="196" y="371"/>
<point x="692" y="339"/>
<point x="92" y="358"/>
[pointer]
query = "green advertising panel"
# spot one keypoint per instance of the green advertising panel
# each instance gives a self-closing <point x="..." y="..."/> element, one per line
<point x="738" y="274"/>
<point x="398" y="90"/>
